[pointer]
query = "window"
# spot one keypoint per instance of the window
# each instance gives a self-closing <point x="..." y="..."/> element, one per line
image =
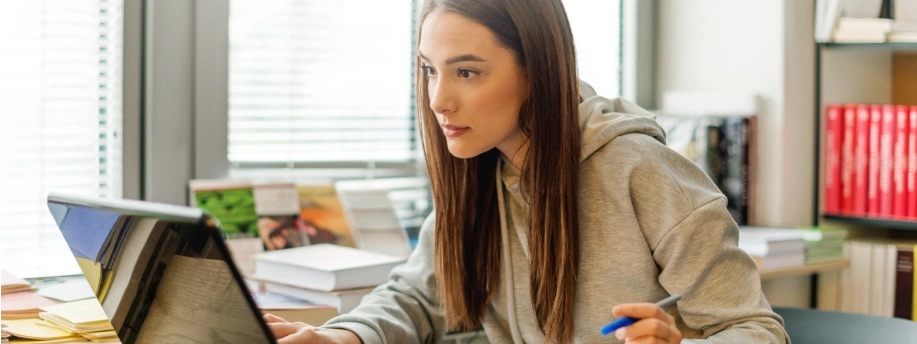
<point x="60" y="119"/>
<point x="596" y="26"/>
<point x="319" y="83"/>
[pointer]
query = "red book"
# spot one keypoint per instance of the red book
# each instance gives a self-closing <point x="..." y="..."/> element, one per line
<point x="861" y="160"/>
<point x="886" y="161"/>
<point x="899" y="172"/>
<point x="872" y="190"/>
<point x="833" y="135"/>
<point x="847" y="158"/>
<point x="912" y="163"/>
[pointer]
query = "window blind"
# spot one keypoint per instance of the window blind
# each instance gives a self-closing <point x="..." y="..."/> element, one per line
<point x="320" y="83"/>
<point x="60" y="117"/>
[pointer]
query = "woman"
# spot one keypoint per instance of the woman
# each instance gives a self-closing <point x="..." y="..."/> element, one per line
<point x="555" y="212"/>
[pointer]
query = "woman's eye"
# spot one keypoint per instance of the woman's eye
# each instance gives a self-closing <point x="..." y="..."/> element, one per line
<point x="466" y="74"/>
<point x="428" y="71"/>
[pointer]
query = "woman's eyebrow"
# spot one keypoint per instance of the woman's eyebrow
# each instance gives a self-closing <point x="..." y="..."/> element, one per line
<point x="456" y="59"/>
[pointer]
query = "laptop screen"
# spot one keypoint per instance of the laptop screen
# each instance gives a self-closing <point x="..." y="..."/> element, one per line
<point x="162" y="273"/>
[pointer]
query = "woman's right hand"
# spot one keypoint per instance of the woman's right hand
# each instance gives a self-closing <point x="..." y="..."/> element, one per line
<point x="292" y="333"/>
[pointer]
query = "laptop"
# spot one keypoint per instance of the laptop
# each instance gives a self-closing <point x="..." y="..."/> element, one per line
<point x="162" y="273"/>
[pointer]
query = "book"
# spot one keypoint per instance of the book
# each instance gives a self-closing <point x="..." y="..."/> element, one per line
<point x="779" y="261"/>
<point x="886" y="161"/>
<point x="279" y="224"/>
<point x="294" y="309"/>
<point x="899" y="171"/>
<point x="342" y="300"/>
<point x="861" y="160"/>
<point x="872" y="190"/>
<point x="371" y="215"/>
<point x="861" y="30"/>
<point x="232" y="202"/>
<point x="912" y="163"/>
<point x="762" y="241"/>
<point x="847" y="158"/>
<point x="325" y="267"/>
<point x="323" y="215"/>
<point x="834" y="137"/>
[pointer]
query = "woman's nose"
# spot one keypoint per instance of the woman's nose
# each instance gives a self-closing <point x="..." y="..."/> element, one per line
<point x="441" y="99"/>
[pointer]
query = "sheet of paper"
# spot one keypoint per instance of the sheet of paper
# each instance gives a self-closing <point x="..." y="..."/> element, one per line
<point x="79" y="312"/>
<point x="70" y="290"/>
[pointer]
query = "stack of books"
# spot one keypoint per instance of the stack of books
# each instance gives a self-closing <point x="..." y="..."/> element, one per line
<point x="819" y="244"/>
<point x="823" y="244"/>
<point x="324" y="274"/>
<point x="772" y="248"/>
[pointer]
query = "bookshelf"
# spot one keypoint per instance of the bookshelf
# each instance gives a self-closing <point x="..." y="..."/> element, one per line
<point x="879" y="73"/>
<point x="864" y="73"/>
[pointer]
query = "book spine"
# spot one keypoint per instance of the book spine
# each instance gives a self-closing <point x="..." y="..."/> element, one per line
<point x="904" y="283"/>
<point x="913" y="290"/>
<point x="899" y="180"/>
<point x="847" y="158"/>
<point x="872" y="189"/>
<point x="886" y="157"/>
<point x="834" y="136"/>
<point x="912" y="162"/>
<point x="861" y="161"/>
<point x="735" y="182"/>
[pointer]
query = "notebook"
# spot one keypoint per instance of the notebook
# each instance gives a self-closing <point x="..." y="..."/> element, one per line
<point x="162" y="273"/>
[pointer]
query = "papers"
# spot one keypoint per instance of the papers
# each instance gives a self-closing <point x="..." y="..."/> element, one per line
<point x="22" y="304"/>
<point x="11" y="283"/>
<point x="77" y="316"/>
<point x="70" y="290"/>
<point x="36" y="329"/>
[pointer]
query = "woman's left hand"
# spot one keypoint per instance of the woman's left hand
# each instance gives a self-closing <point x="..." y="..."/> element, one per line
<point x="654" y="326"/>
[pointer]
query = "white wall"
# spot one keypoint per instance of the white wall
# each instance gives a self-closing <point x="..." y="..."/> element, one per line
<point x="764" y="47"/>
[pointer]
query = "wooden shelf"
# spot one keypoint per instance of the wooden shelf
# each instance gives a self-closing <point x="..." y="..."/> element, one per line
<point x="902" y="224"/>
<point x="876" y="46"/>
<point x="808" y="269"/>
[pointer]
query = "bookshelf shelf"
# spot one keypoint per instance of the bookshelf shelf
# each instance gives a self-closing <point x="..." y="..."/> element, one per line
<point x="876" y="46"/>
<point x="807" y="269"/>
<point x="910" y="225"/>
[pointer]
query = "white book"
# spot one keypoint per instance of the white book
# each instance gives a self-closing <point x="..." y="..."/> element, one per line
<point x="343" y="300"/>
<point x="325" y="267"/>
<point x="779" y="261"/>
<point x="770" y="241"/>
<point x="372" y="216"/>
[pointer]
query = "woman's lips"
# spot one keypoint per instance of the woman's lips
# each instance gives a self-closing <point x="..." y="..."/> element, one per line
<point x="453" y="130"/>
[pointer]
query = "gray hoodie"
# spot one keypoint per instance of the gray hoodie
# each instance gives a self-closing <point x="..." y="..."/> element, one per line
<point x="651" y="224"/>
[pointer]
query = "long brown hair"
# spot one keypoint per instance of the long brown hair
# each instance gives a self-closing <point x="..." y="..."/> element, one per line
<point x="468" y="239"/>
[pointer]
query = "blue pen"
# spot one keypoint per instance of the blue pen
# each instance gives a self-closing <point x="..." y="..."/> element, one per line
<point x="627" y="321"/>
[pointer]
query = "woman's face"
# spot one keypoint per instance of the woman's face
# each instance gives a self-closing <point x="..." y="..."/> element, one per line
<point x="475" y="85"/>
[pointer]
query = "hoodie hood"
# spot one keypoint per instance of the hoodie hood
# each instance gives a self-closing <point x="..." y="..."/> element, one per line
<point x="602" y="120"/>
